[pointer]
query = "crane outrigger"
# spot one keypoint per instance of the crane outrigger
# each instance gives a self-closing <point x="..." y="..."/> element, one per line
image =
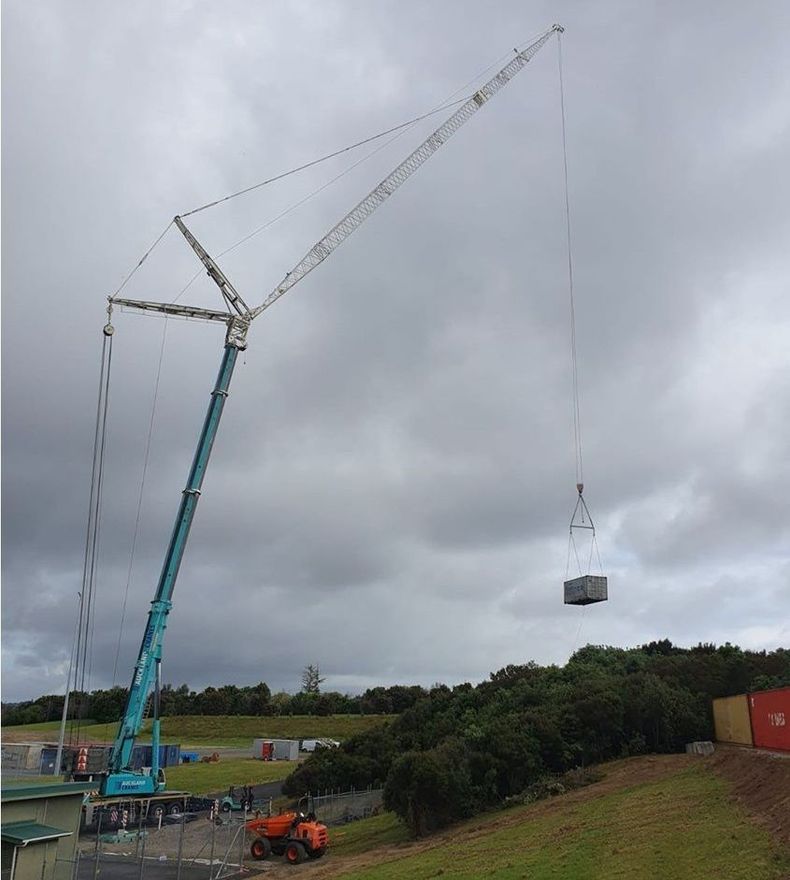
<point x="121" y="780"/>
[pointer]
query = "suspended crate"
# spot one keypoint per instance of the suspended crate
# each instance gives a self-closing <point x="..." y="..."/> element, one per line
<point x="587" y="588"/>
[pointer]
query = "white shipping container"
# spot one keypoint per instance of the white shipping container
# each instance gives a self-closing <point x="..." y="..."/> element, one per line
<point x="283" y="749"/>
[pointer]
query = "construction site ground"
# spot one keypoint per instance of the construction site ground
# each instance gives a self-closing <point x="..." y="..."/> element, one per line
<point x="727" y="816"/>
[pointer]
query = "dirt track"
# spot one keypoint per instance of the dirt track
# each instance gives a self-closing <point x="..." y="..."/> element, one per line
<point x="761" y="784"/>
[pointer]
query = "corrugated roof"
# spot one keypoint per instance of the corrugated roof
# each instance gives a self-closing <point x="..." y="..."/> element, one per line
<point x="57" y="789"/>
<point x="23" y="833"/>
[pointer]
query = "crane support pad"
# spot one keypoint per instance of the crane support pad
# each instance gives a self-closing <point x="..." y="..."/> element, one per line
<point x="586" y="589"/>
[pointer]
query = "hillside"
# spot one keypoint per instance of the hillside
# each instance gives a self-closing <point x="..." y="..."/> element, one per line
<point x="215" y="730"/>
<point x="670" y="816"/>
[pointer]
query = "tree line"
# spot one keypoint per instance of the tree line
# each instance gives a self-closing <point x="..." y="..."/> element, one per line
<point x="107" y="705"/>
<point x="457" y="751"/>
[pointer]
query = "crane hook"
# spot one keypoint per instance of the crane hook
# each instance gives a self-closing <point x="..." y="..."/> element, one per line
<point x="108" y="328"/>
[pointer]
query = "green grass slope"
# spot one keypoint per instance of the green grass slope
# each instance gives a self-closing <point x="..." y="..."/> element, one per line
<point x="682" y="827"/>
<point x="207" y="778"/>
<point x="216" y="730"/>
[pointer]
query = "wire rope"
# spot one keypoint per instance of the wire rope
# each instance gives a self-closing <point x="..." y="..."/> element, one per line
<point x="139" y="502"/>
<point x="91" y="618"/>
<point x="445" y="104"/>
<point x="86" y="614"/>
<point x="577" y="430"/>
<point x="318" y="161"/>
<point x="142" y="260"/>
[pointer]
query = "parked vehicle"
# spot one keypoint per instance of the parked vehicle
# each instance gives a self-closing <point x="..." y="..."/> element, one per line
<point x="291" y="834"/>
<point x="313" y="745"/>
<point x="237" y="799"/>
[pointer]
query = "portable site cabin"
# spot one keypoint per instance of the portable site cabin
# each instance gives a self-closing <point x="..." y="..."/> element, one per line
<point x="39" y="830"/>
<point x="276" y="749"/>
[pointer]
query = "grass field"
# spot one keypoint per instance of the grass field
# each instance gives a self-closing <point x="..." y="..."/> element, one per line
<point x="215" y="730"/>
<point x="206" y="778"/>
<point x="681" y="827"/>
<point x="368" y="834"/>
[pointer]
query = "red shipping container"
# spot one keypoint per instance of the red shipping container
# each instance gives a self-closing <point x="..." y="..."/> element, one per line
<point x="770" y="716"/>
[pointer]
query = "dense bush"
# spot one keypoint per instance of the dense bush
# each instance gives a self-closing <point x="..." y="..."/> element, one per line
<point x="455" y="752"/>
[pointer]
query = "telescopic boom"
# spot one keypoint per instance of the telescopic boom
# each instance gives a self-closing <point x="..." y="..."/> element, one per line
<point x="121" y="778"/>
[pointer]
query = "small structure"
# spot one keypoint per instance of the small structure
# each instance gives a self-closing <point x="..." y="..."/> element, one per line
<point x="39" y="830"/>
<point x="585" y="590"/>
<point x="276" y="749"/>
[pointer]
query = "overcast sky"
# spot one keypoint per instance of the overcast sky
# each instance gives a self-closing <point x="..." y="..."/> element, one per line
<point x="390" y="491"/>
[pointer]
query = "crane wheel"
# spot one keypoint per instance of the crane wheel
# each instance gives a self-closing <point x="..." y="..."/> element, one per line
<point x="261" y="848"/>
<point x="295" y="853"/>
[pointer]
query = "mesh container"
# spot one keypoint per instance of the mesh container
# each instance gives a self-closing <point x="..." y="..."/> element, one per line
<point x="585" y="590"/>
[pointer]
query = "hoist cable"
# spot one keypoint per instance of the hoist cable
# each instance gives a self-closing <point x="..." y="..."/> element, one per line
<point x="139" y="502"/>
<point x="577" y="430"/>
<point x="91" y="619"/>
<point x="89" y="528"/>
<point x="87" y="597"/>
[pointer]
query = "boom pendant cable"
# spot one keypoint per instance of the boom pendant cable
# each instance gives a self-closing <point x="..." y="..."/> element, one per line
<point x="139" y="503"/>
<point x="397" y="130"/>
<point x="318" y="161"/>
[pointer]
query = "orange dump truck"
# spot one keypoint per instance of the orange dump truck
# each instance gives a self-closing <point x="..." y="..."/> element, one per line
<point x="291" y="834"/>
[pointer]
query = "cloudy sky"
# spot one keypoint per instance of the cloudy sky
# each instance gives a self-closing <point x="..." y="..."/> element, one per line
<point x="390" y="491"/>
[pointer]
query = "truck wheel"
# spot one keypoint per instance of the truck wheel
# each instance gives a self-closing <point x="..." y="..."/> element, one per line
<point x="226" y="807"/>
<point x="173" y="809"/>
<point x="316" y="853"/>
<point x="261" y="848"/>
<point x="294" y="853"/>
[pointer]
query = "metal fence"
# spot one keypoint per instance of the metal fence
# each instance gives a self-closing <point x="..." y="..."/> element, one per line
<point x="205" y="848"/>
<point x="338" y="807"/>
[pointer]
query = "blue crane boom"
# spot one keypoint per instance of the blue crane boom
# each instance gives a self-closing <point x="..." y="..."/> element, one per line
<point x="146" y="675"/>
<point x="121" y="779"/>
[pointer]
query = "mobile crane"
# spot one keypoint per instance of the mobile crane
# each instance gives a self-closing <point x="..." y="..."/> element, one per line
<point x="122" y="781"/>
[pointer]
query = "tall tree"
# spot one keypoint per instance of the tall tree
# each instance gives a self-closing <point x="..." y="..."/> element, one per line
<point x="312" y="679"/>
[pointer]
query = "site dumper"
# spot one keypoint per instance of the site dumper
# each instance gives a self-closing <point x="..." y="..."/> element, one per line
<point x="291" y="834"/>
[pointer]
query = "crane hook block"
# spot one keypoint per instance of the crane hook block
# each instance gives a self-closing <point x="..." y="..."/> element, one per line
<point x="108" y="329"/>
<point x="580" y="488"/>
